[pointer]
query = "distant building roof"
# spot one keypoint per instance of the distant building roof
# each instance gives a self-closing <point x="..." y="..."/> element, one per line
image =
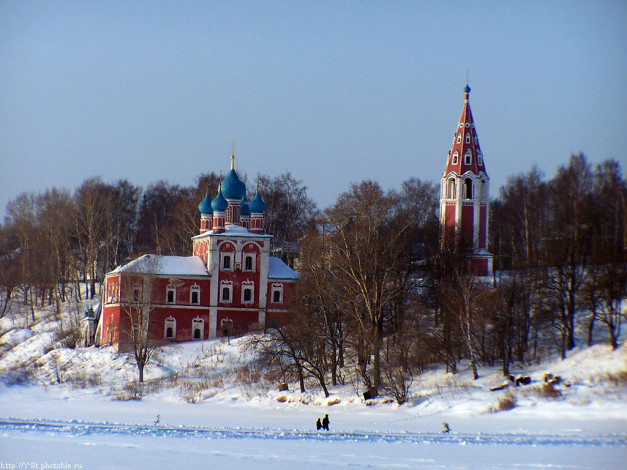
<point x="165" y="265"/>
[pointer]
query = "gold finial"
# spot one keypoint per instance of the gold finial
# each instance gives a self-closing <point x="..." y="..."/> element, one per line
<point x="257" y="190"/>
<point x="207" y="187"/>
<point x="233" y="154"/>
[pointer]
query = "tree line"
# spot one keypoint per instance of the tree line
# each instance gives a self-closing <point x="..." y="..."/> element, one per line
<point x="379" y="299"/>
<point x="55" y="241"/>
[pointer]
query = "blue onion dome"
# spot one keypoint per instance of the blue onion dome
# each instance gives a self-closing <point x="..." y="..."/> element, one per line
<point x="233" y="187"/>
<point x="219" y="204"/>
<point x="257" y="206"/>
<point x="244" y="207"/>
<point x="466" y="88"/>
<point x="205" y="206"/>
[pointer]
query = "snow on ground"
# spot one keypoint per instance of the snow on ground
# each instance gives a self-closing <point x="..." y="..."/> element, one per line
<point x="212" y="412"/>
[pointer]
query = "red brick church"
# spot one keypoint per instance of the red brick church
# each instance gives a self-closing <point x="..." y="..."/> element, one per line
<point x="230" y="285"/>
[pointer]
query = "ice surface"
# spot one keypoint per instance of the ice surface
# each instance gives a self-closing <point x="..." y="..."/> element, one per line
<point x="72" y="418"/>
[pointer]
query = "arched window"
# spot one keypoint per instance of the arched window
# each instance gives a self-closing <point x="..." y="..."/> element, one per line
<point x="170" y="328"/>
<point x="459" y="138"/>
<point x="198" y="328"/>
<point x="248" y="292"/>
<point x="467" y="137"/>
<point x="226" y="261"/>
<point x="479" y="158"/>
<point x="249" y="263"/>
<point x="277" y="293"/>
<point x="450" y="189"/>
<point x="171" y="295"/>
<point x="468" y="188"/>
<point x="194" y="294"/>
<point x="468" y="157"/>
<point x="226" y="291"/>
<point x="454" y="159"/>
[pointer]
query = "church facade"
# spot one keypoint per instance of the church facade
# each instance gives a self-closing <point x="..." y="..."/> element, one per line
<point x="230" y="284"/>
<point x="464" y="209"/>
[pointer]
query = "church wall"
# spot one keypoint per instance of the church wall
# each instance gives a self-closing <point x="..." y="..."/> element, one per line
<point x="449" y="224"/>
<point x="243" y="320"/>
<point x="183" y="324"/>
<point x="483" y="219"/>
<point x="182" y="288"/>
<point x="467" y="226"/>
<point x="238" y="277"/>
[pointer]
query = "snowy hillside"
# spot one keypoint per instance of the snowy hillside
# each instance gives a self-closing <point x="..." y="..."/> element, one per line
<point x="78" y="406"/>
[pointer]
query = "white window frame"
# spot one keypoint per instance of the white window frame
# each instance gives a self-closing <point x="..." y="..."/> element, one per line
<point x="454" y="158"/>
<point x="195" y="289"/>
<point x="198" y="324"/>
<point x="224" y="256"/>
<point x="248" y="285"/>
<point x="459" y="138"/>
<point x="226" y="285"/>
<point x="253" y="263"/>
<point x="169" y="289"/>
<point x="277" y="288"/>
<point x="467" y="137"/>
<point x="468" y="157"/>
<point x="170" y="322"/>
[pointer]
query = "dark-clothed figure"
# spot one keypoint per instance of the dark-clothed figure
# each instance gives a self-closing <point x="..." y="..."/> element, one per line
<point x="318" y="424"/>
<point x="325" y="422"/>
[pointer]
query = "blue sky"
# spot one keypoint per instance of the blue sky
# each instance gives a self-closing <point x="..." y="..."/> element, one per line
<point x="334" y="92"/>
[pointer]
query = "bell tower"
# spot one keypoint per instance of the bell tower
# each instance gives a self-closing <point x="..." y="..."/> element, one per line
<point x="464" y="196"/>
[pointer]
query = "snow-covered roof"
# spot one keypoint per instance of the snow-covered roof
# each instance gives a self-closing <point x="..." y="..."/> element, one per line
<point x="233" y="230"/>
<point x="482" y="252"/>
<point x="279" y="270"/>
<point x="174" y="265"/>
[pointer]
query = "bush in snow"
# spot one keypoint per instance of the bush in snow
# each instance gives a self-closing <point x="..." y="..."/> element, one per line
<point x="507" y="401"/>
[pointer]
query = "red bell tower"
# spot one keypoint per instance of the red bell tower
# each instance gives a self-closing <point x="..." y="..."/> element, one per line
<point x="464" y="196"/>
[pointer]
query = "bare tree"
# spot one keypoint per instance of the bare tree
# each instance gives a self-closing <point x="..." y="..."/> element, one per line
<point x="289" y="213"/>
<point x="570" y="246"/>
<point x="138" y="302"/>
<point x="92" y="200"/>
<point x="603" y="293"/>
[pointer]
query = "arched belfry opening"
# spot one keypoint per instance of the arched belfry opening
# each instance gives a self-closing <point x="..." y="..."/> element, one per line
<point x="450" y="190"/>
<point x="468" y="188"/>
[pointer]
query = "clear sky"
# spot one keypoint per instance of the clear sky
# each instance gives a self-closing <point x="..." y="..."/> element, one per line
<point x="333" y="91"/>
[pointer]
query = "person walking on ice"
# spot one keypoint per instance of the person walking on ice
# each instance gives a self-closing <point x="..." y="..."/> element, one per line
<point x="325" y="422"/>
<point x="318" y="424"/>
